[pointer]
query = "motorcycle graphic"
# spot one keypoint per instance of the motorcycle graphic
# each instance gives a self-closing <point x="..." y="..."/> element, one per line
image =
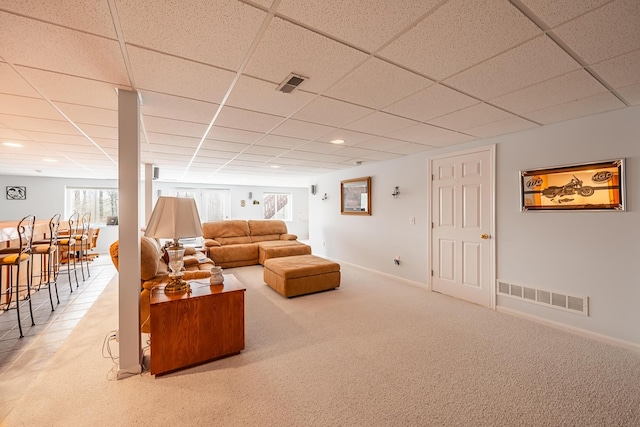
<point x="572" y="187"/>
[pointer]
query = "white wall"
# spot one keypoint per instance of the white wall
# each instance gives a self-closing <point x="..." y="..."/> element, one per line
<point x="595" y="254"/>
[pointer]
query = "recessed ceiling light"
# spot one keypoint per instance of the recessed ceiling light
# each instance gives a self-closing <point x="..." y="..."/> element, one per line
<point x="11" y="144"/>
<point x="338" y="141"/>
<point x="49" y="160"/>
<point x="275" y="166"/>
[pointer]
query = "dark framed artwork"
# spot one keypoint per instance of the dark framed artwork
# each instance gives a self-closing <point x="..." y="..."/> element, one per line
<point x="355" y="196"/>
<point x="16" y="193"/>
<point x="588" y="186"/>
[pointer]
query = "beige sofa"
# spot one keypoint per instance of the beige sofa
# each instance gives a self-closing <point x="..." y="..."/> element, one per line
<point x="236" y="243"/>
<point x="154" y="271"/>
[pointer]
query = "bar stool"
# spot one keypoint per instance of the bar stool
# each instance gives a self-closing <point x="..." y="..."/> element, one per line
<point x="13" y="258"/>
<point x="82" y="243"/>
<point x="67" y="244"/>
<point x="49" y="260"/>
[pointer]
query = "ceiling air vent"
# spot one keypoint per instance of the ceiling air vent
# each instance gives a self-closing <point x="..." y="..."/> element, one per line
<point x="291" y="83"/>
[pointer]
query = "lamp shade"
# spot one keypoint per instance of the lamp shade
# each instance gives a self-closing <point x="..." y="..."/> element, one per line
<point x="174" y="218"/>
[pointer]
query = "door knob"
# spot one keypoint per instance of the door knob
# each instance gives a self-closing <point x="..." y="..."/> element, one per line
<point x="484" y="236"/>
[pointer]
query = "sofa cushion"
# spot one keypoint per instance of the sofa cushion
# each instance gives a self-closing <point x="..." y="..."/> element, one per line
<point x="149" y="257"/>
<point x="230" y="228"/>
<point x="266" y="227"/>
<point x="265" y="238"/>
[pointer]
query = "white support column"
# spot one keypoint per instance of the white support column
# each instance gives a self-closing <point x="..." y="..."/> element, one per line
<point x="130" y="361"/>
<point x="148" y="192"/>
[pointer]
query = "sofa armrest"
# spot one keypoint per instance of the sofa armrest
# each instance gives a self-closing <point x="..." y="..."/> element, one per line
<point x="288" y="237"/>
<point x="210" y="242"/>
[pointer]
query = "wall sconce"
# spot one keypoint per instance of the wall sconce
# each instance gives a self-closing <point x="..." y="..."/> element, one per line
<point x="396" y="192"/>
<point x="324" y="197"/>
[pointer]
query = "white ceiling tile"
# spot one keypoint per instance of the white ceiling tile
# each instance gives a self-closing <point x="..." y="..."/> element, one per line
<point x="225" y="146"/>
<point x="470" y="117"/>
<point x="604" y="33"/>
<point x="631" y="94"/>
<point x="99" y="131"/>
<point x="410" y="148"/>
<point x="265" y="151"/>
<point x="215" y="32"/>
<point x="579" y="108"/>
<point x="621" y="71"/>
<point x="250" y="120"/>
<point x="356" y="152"/>
<point x="278" y="141"/>
<point x="320" y="147"/>
<point x="419" y="133"/>
<point x="175" y="107"/>
<point x="81" y="114"/>
<point x="12" y="83"/>
<point x="535" y="61"/>
<point x="501" y="127"/>
<point x="73" y="90"/>
<point x="303" y="130"/>
<point x="379" y="156"/>
<point x="39" y="45"/>
<point x="377" y="83"/>
<point x="452" y="139"/>
<point x="459" y="35"/>
<point x="178" y="141"/>
<point x="233" y="135"/>
<point x="558" y="90"/>
<point x="380" y="123"/>
<point x="258" y="95"/>
<point x="367" y="24"/>
<point x="174" y="127"/>
<point x="92" y="16"/>
<point x="56" y="138"/>
<point x="287" y="48"/>
<point x="331" y="112"/>
<point x="556" y="12"/>
<point x="348" y="136"/>
<point x="432" y="102"/>
<point x="10" y="135"/>
<point x="316" y="157"/>
<point x="381" y="144"/>
<point x="168" y="74"/>
<point x="21" y="123"/>
<point x="28" y="107"/>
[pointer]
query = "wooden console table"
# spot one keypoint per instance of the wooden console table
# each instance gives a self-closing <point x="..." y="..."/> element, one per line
<point x="190" y="329"/>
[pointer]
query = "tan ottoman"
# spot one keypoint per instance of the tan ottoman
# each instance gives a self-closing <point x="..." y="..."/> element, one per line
<point x="301" y="274"/>
<point x="280" y="251"/>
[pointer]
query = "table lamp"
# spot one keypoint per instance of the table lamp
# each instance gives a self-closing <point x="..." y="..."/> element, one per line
<point x="175" y="218"/>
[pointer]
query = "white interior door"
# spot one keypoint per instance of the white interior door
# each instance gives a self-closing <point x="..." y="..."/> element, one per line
<point x="462" y="221"/>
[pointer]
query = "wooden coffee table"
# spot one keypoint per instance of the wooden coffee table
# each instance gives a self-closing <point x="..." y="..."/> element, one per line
<point x="190" y="329"/>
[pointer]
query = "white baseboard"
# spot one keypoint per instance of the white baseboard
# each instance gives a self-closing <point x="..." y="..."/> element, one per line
<point x="387" y="275"/>
<point x="572" y="329"/>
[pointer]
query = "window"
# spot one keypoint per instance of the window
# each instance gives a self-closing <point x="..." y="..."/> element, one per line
<point x="213" y="204"/>
<point x="277" y="206"/>
<point x="100" y="202"/>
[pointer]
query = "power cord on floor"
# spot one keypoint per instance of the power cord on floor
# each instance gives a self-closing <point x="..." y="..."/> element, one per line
<point x="111" y="336"/>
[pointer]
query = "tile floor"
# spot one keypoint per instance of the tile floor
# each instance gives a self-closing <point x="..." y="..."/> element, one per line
<point x="21" y="359"/>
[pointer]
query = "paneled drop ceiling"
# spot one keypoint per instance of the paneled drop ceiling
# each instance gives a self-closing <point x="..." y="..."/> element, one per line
<point x="389" y="78"/>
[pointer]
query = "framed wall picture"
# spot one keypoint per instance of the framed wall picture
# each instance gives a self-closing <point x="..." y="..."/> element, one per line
<point x="16" y="193"/>
<point x="355" y="196"/>
<point x="589" y="186"/>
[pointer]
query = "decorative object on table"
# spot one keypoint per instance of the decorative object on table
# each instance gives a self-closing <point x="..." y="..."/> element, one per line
<point x="588" y="186"/>
<point x="256" y="202"/>
<point x="16" y="192"/>
<point x="216" y="276"/>
<point x="175" y="218"/>
<point x="355" y="196"/>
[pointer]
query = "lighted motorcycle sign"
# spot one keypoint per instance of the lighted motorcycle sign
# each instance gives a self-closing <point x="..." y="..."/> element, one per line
<point x="591" y="186"/>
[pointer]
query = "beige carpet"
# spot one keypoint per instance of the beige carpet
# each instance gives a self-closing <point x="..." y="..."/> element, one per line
<point x="375" y="352"/>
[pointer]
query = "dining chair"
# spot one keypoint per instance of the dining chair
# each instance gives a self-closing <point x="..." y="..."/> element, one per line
<point x="67" y="246"/>
<point x="49" y="258"/>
